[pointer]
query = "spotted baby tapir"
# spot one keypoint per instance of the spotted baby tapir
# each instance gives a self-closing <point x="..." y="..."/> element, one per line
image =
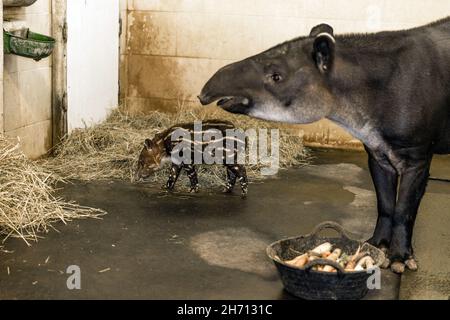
<point x="159" y="150"/>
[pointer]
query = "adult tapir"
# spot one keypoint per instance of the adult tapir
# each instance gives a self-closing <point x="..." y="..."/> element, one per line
<point x="391" y="90"/>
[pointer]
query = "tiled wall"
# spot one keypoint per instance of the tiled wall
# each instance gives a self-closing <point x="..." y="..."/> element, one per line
<point x="171" y="47"/>
<point x="27" y="86"/>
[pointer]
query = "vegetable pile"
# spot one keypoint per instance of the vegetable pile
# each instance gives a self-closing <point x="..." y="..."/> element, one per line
<point x="358" y="261"/>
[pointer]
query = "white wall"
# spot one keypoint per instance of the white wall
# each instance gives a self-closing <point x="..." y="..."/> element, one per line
<point x="27" y="85"/>
<point x="92" y="60"/>
<point x="172" y="47"/>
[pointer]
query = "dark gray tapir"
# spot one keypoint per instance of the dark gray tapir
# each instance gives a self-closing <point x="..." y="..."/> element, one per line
<point x="391" y="90"/>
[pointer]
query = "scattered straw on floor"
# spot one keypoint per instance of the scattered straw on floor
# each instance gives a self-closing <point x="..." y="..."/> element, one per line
<point x="28" y="205"/>
<point x="110" y="150"/>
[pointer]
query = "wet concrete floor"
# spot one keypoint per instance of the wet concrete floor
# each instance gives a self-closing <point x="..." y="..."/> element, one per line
<point x="432" y="240"/>
<point x="154" y="245"/>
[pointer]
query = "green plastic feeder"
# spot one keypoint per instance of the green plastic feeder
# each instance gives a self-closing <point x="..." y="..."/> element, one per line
<point x="27" y="44"/>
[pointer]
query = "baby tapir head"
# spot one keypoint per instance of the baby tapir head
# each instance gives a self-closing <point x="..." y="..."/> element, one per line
<point x="150" y="159"/>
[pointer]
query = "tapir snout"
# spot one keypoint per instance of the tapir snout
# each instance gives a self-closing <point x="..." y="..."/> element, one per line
<point x="231" y="95"/>
<point x="284" y="83"/>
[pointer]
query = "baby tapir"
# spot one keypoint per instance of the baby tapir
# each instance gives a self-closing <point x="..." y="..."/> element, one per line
<point x="160" y="149"/>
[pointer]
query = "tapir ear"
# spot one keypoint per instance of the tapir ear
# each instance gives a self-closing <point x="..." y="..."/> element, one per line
<point x="148" y="144"/>
<point x="323" y="47"/>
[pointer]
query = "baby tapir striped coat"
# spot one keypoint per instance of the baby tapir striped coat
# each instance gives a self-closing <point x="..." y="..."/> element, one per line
<point x="188" y="144"/>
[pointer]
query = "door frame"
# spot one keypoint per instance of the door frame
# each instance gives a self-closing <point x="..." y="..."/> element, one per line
<point x="59" y="71"/>
<point x="2" y="126"/>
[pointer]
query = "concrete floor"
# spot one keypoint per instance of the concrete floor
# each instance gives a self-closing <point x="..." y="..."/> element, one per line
<point x="154" y="245"/>
<point x="432" y="240"/>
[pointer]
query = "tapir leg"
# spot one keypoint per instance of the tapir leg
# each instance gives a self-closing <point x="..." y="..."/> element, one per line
<point x="231" y="180"/>
<point x="412" y="188"/>
<point x="243" y="180"/>
<point x="443" y="145"/>
<point x="241" y="174"/>
<point x="385" y="183"/>
<point x="192" y="175"/>
<point x="173" y="176"/>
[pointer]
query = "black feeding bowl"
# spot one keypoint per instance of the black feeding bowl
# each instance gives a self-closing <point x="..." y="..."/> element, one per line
<point x="310" y="284"/>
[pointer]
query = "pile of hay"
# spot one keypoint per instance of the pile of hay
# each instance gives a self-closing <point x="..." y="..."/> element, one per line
<point x="28" y="205"/>
<point x="110" y="150"/>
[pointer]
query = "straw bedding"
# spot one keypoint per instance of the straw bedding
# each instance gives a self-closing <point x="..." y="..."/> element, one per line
<point x="28" y="205"/>
<point x="110" y="150"/>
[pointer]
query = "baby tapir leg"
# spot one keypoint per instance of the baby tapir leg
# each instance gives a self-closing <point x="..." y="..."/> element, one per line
<point x="243" y="180"/>
<point x="192" y="175"/>
<point x="173" y="176"/>
<point x="241" y="175"/>
<point x="231" y="180"/>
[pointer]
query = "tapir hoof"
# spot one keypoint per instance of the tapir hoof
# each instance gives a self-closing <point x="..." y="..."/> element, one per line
<point x="167" y="187"/>
<point x="386" y="263"/>
<point x="411" y="264"/>
<point x="227" y="190"/>
<point x="195" y="189"/>
<point x="398" y="267"/>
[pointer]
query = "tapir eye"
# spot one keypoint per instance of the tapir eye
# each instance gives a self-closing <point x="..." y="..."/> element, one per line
<point x="276" y="77"/>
